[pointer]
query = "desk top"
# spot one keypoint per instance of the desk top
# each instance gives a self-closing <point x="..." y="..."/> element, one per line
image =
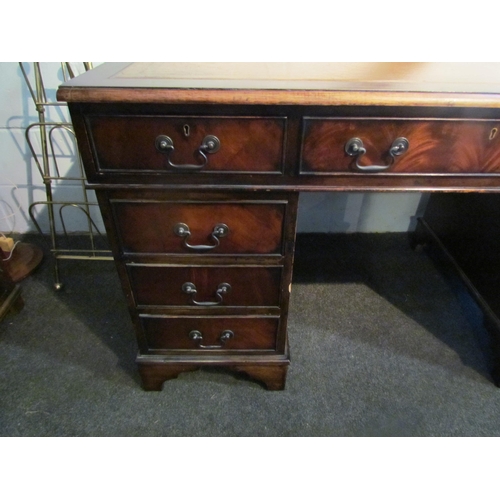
<point x="382" y="84"/>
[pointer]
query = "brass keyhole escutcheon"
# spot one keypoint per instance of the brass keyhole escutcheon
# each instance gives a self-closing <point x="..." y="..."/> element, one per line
<point x="493" y="133"/>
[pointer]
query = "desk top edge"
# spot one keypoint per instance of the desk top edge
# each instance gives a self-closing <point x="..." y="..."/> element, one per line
<point x="335" y="84"/>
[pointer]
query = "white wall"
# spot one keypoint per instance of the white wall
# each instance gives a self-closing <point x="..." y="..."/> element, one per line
<point x="21" y="185"/>
<point x="20" y="181"/>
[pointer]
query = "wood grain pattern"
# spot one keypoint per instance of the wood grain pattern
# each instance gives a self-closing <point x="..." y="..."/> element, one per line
<point x="436" y="146"/>
<point x="249" y="144"/>
<point x="287" y="119"/>
<point x="284" y="97"/>
<point x="266" y="281"/>
<point x="251" y="286"/>
<point x="148" y="226"/>
<point x="337" y="84"/>
<point x="166" y="333"/>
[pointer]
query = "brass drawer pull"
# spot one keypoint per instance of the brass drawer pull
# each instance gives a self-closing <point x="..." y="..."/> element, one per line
<point x="197" y="336"/>
<point x="219" y="231"/>
<point x="222" y="289"/>
<point x="210" y="144"/>
<point x="355" y="147"/>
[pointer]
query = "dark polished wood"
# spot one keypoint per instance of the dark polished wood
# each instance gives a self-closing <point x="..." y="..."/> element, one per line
<point x="283" y="129"/>
<point x="248" y="144"/>
<point x="436" y="146"/>
<point x="168" y="334"/>
<point x="271" y="374"/>
<point x="254" y="258"/>
<point x="249" y="286"/>
<point x="147" y="225"/>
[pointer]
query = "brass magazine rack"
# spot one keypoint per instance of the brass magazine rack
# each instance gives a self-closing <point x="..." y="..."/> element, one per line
<point x="45" y="155"/>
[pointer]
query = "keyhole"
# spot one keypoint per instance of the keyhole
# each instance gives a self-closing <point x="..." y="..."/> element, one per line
<point x="493" y="133"/>
<point x="187" y="130"/>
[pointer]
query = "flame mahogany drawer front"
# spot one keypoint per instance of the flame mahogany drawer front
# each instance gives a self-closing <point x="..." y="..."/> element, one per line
<point x="185" y="143"/>
<point x="433" y="146"/>
<point x="209" y="335"/>
<point x="205" y="285"/>
<point x="170" y="227"/>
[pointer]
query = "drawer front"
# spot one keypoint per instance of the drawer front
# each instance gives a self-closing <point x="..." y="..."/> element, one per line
<point x="205" y="286"/>
<point x="163" y="227"/>
<point x="434" y="146"/>
<point x="129" y="143"/>
<point x="210" y="335"/>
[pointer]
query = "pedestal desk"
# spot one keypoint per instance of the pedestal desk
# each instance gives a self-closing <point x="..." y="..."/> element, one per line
<point x="198" y="167"/>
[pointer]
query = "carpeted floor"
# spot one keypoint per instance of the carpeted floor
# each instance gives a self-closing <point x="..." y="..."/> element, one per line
<point x="382" y="344"/>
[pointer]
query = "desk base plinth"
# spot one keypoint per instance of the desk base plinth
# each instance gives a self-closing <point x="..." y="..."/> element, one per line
<point x="270" y="372"/>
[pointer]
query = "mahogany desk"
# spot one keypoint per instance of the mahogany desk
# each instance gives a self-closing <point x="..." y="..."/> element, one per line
<point x="198" y="167"/>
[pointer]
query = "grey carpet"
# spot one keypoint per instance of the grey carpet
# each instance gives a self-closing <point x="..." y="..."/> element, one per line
<point x="383" y="343"/>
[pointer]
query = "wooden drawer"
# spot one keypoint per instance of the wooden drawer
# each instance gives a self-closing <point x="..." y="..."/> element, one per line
<point x="205" y="285"/>
<point x="129" y="143"/>
<point x="434" y="146"/>
<point x="209" y="334"/>
<point x="170" y="227"/>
